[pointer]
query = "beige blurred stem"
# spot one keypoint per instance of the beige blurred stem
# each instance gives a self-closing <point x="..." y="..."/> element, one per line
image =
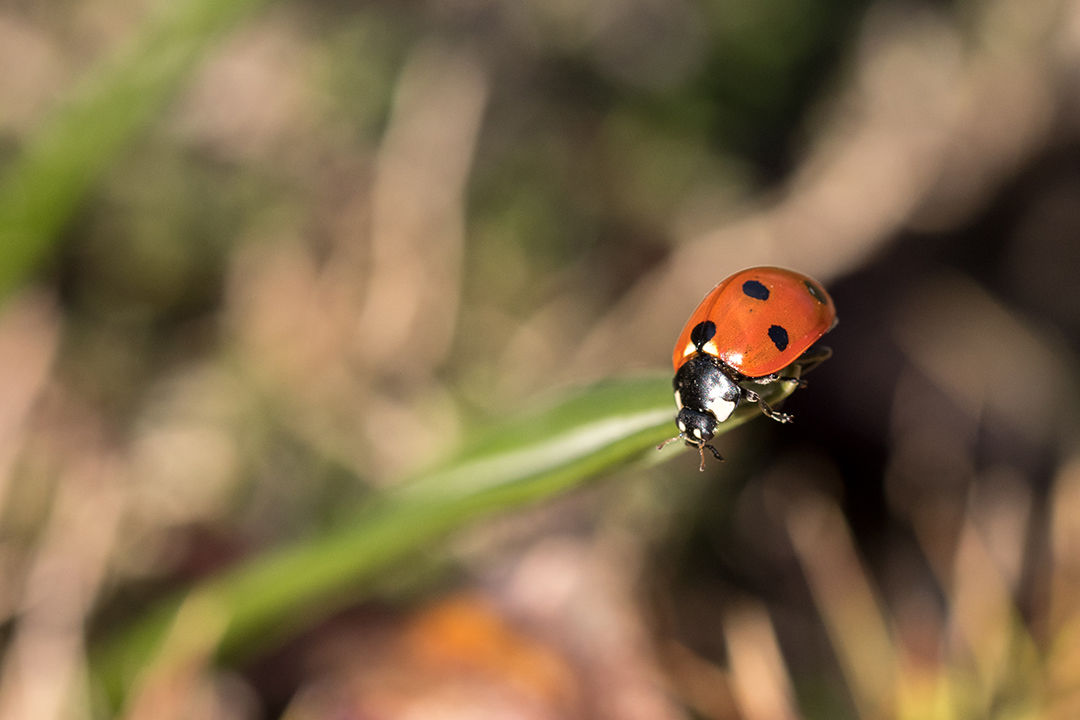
<point x="410" y="307"/>
<point x="759" y="678"/>
<point x="46" y="657"/>
<point x="849" y="607"/>
<point x="1063" y="667"/>
<point x="29" y="336"/>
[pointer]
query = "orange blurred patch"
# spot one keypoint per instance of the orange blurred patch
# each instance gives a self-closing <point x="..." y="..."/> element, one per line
<point x="466" y="634"/>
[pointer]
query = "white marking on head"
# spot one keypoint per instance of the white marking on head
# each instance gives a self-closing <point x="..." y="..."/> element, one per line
<point x="710" y="347"/>
<point x="722" y="409"/>
<point x="678" y="399"/>
<point x="682" y="425"/>
<point x="697" y="433"/>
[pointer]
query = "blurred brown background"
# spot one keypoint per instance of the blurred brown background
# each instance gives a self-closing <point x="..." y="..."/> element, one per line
<point x="361" y="228"/>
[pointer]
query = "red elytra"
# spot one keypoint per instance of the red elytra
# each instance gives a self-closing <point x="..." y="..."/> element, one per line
<point x="763" y="319"/>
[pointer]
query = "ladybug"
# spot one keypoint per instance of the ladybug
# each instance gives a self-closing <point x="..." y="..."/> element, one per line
<point x="748" y="328"/>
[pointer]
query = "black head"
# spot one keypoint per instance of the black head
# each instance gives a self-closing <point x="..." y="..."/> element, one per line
<point x="697" y="429"/>
<point x="695" y="426"/>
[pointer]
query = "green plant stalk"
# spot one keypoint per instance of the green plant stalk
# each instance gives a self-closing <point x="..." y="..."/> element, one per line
<point x="522" y="462"/>
<point x="41" y="189"/>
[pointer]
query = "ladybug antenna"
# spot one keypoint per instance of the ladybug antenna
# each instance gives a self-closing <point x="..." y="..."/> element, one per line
<point x="670" y="440"/>
<point x="700" y="446"/>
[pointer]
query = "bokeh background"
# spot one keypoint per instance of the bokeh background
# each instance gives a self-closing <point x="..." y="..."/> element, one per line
<point x="350" y="232"/>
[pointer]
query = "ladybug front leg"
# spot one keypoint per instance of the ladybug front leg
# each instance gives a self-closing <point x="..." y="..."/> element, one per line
<point x="812" y="358"/>
<point x="766" y="408"/>
<point x="806" y="362"/>
<point x="777" y="377"/>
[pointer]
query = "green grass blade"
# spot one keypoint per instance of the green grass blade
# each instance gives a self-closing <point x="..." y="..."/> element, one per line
<point x="42" y="187"/>
<point x="524" y="461"/>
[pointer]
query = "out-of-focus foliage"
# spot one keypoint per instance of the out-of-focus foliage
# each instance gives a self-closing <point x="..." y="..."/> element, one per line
<point x="520" y="461"/>
<point x="59" y="161"/>
<point x="262" y="261"/>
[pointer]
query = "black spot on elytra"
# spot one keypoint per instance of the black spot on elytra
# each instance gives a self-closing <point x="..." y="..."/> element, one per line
<point x="754" y="289"/>
<point x="779" y="337"/>
<point x="702" y="333"/>
<point x="815" y="292"/>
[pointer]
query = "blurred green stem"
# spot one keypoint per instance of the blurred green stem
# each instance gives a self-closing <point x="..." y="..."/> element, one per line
<point x="524" y="461"/>
<point x="58" y="164"/>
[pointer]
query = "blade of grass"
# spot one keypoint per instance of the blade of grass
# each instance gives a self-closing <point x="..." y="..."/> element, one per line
<point x="57" y="165"/>
<point x="523" y="461"/>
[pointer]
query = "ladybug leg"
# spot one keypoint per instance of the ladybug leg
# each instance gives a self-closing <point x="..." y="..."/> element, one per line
<point x="806" y="362"/>
<point x="812" y="358"/>
<point x="701" y="451"/>
<point x="766" y="408"/>
<point x="777" y="377"/>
